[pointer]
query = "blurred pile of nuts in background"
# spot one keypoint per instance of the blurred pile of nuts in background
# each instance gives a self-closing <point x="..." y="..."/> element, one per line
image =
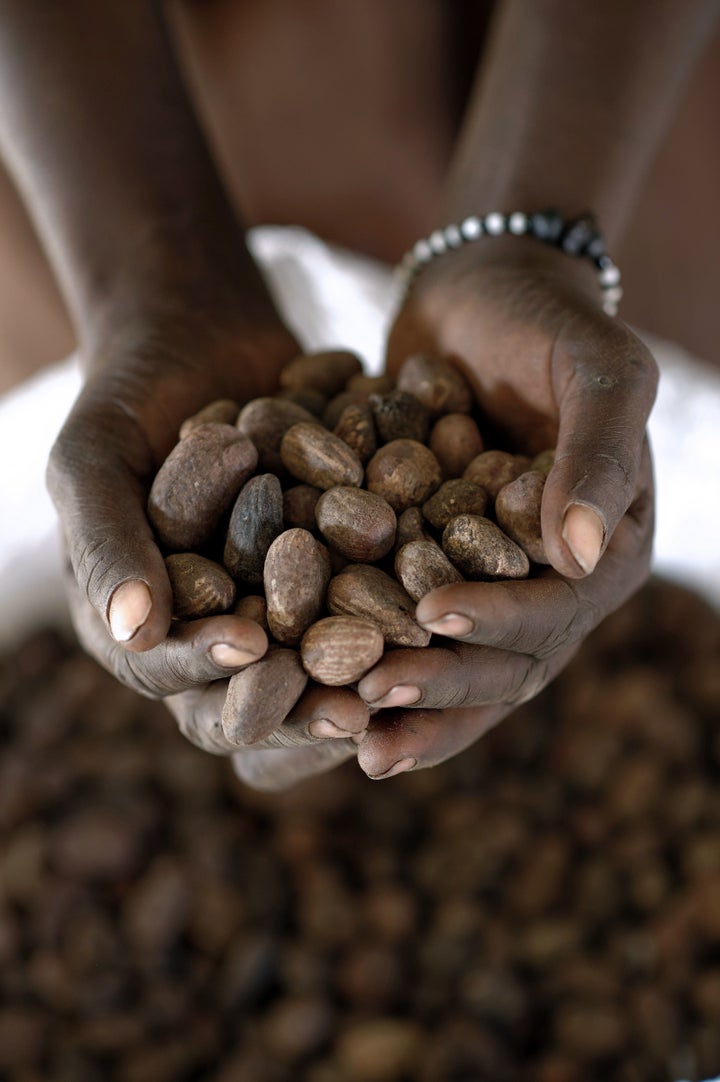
<point x="545" y="907"/>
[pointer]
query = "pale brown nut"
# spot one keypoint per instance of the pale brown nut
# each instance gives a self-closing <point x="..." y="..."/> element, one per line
<point x="360" y="525"/>
<point x="404" y="472"/>
<point x="517" y="509"/>
<point x="327" y="371"/>
<point x="255" y="522"/>
<point x="411" y="526"/>
<point x="453" y="498"/>
<point x="492" y="470"/>
<point x="439" y="385"/>
<point x="341" y="649"/>
<point x="299" y="506"/>
<point x="252" y="607"/>
<point x="265" y="421"/>
<point x="422" y="566"/>
<point x="297" y="571"/>
<point x="455" y="441"/>
<point x="400" y="416"/>
<point x="200" y="587"/>
<point x="366" y="591"/>
<point x="357" y="428"/>
<point x="197" y="483"/>
<point x="260" y="697"/>
<point x="318" y="457"/>
<point x="480" y="550"/>
<point x="222" y="411"/>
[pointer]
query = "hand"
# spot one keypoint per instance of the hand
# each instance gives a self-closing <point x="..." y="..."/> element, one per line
<point x="123" y="425"/>
<point x="548" y="368"/>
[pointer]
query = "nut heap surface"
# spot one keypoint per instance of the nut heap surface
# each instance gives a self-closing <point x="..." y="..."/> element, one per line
<point x="543" y="908"/>
<point x="343" y="497"/>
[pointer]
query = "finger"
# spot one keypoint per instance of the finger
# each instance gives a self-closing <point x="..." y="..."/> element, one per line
<point x="277" y="769"/>
<point x="319" y="714"/>
<point x="199" y="716"/>
<point x="456" y="677"/>
<point x="100" y="498"/>
<point x="192" y="654"/>
<point x="605" y="392"/>
<point x="400" y="741"/>
<point x="541" y="615"/>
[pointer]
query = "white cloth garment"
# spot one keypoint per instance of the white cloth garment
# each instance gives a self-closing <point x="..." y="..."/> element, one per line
<point x="330" y="298"/>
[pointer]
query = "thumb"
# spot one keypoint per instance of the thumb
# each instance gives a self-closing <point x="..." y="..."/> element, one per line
<point x="605" y="392"/>
<point x="100" y="498"/>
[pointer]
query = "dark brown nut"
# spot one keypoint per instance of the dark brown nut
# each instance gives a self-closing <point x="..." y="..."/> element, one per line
<point x="411" y="526"/>
<point x="327" y="371"/>
<point x="400" y="416"/>
<point x="455" y="441"/>
<point x="337" y="406"/>
<point x="299" y="506"/>
<point x="517" y="509"/>
<point x="318" y="457"/>
<point x="366" y="591"/>
<point x="404" y="472"/>
<point x="456" y="497"/>
<point x="200" y="587"/>
<point x="197" y="483"/>
<point x="297" y="571"/>
<point x="260" y="697"/>
<point x="357" y="428"/>
<point x="340" y="649"/>
<point x="359" y="524"/>
<point x="544" y="462"/>
<point x="480" y="550"/>
<point x="422" y="566"/>
<point x="492" y="470"/>
<point x="255" y="522"/>
<point x="265" y="421"/>
<point x="370" y="384"/>
<point x="591" y="1030"/>
<point x="439" y="385"/>
<point x="315" y="402"/>
<point x="222" y="411"/>
<point x="252" y="607"/>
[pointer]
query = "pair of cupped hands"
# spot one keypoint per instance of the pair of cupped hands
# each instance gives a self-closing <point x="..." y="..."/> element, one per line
<point x="548" y="368"/>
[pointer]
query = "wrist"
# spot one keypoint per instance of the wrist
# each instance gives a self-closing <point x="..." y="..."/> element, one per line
<point x="441" y="264"/>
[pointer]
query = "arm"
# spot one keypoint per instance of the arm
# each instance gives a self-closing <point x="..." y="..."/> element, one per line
<point x="170" y="312"/>
<point x="571" y="104"/>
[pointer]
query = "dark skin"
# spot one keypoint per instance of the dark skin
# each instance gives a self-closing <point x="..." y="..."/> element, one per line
<point x="148" y="246"/>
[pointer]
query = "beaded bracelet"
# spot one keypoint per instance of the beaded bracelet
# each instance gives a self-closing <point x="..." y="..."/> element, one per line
<point x="577" y="237"/>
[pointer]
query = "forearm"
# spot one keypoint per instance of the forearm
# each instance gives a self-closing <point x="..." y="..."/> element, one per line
<point x="572" y="103"/>
<point x="97" y="128"/>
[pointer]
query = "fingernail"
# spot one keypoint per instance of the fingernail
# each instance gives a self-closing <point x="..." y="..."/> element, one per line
<point x="451" y="624"/>
<point x="229" y="657"/>
<point x="584" y="534"/>
<point x="401" y="695"/>
<point x="324" y="729"/>
<point x="400" y="767"/>
<point x="129" y="608"/>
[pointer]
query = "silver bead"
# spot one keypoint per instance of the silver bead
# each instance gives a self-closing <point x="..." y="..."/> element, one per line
<point x="453" y="236"/>
<point x="494" y="223"/>
<point x="518" y="223"/>
<point x="471" y="228"/>
<point x="613" y="295"/>
<point x="437" y="242"/>
<point x="422" y="252"/>
<point x="609" y="275"/>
